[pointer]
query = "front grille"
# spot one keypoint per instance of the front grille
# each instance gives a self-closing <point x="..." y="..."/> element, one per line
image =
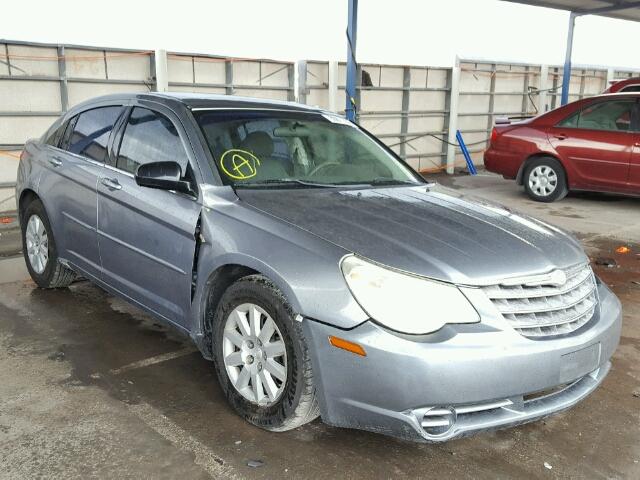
<point x="537" y="310"/>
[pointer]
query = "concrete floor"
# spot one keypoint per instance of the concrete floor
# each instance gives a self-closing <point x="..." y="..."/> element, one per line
<point x="92" y="387"/>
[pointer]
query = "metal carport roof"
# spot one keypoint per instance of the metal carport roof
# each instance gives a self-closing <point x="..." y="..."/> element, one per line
<point x="624" y="10"/>
<point x="620" y="9"/>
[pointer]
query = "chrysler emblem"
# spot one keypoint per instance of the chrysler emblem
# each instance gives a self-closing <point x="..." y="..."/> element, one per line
<point x="557" y="278"/>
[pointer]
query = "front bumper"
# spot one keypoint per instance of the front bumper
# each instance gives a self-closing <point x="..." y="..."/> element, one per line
<point x="461" y="379"/>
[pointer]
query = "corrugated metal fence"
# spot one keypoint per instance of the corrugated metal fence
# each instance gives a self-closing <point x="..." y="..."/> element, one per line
<point x="411" y="108"/>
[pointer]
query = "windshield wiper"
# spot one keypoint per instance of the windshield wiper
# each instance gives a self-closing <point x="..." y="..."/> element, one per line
<point x="309" y="183"/>
<point x="285" y="181"/>
<point x="391" y="181"/>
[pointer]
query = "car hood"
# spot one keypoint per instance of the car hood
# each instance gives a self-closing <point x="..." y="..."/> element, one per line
<point x="430" y="231"/>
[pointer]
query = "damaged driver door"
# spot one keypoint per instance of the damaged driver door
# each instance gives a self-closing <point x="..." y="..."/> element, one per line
<point x="147" y="235"/>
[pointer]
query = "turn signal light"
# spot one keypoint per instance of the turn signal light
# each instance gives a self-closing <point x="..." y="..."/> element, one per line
<point x="347" y="345"/>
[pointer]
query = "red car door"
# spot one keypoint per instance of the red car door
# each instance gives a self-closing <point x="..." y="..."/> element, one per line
<point x="597" y="142"/>
<point x="634" y="167"/>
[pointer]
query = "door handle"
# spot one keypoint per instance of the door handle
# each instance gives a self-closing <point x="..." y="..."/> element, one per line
<point x="637" y="144"/>
<point x="561" y="136"/>
<point x="111" y="183"/>
<point x="55" y="161"/>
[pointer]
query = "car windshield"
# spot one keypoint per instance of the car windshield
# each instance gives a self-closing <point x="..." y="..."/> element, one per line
<point x="276" y="149"/>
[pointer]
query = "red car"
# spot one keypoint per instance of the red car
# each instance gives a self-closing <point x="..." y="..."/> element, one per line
<point x="592" y="144"/>
<point x="628" y="85"/>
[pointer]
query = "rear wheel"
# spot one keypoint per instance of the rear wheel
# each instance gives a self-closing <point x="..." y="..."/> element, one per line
<point x="545" y="180"/>
<point x="261" y="357"/>
<point x="39" y="248"/>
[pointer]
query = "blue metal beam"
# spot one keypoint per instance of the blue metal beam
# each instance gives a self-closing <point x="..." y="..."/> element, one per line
<point x="566" y="74"/>
<point x="352" y="29"/>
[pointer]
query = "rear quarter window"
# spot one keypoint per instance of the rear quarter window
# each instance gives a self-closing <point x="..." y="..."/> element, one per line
<point x="55" y="136"/>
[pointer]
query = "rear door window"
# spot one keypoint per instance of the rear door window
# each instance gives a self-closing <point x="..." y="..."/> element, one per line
<point x="91" y="132"/>
<point x="149" y="137"/>
<point x="612" y="116"/>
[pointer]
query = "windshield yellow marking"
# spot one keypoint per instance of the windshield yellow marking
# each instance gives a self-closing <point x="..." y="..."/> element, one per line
<point x="239" y="164"/>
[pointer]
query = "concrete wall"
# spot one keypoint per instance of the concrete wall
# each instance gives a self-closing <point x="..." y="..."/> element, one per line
<point x="408" y="107"/>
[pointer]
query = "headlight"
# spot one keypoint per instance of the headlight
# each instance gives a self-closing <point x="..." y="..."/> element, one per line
<point x="405" y="303"/>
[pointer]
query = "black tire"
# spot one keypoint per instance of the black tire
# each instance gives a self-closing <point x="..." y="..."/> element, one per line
<point x="298" y="403"/>
<point x="538" y="195"/>
<point x="54" y="275"/>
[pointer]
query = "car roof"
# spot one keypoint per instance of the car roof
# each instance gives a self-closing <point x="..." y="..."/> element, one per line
<point x="618" y="84"/>
<point x="614" y="95"/>
<point x="203" y="101"/>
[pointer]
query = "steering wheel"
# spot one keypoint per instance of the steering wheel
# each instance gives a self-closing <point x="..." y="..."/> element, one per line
<point x="322" y="166"/>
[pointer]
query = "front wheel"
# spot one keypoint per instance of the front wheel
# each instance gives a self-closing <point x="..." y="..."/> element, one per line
<point x="545" y="180"/>
<point x="261" y="356"/>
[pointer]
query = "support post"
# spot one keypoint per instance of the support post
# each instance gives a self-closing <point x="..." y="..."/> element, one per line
<point x="352" y="29"/>
<point x="453" y="117"/>
<point x="333" y="86"/>
<point x="62" y="73"/>
<point x="162" y="72"/>
<point x="492" y="97"/>
<point x="302" y="81"/>
<point x="445" y="119"/>
<point x="228" y="77"/>
<point x="583" y="72"/>
<point x="153" y="85"/>
<point x="404" y="121"/>
<point x="525" y="93"/>
<point x="611" y="76"/>
<point x="291" y="77"/>
<point x="554" y="88"/>
<point x="566" y="75"/>
<point x="543" y="88"/>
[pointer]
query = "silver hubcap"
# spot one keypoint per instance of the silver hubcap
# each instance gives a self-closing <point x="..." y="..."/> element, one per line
<point x="543" y="180"/>
<point x="37" y="244"/>
<point x="254" y="354"/>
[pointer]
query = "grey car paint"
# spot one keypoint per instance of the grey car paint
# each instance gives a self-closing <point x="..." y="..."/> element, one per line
<point x="428" y="231"/>
<point x="140" y="243"/>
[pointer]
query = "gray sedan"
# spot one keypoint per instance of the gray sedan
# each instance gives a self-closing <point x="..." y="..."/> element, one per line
<point x="319" y="273"/>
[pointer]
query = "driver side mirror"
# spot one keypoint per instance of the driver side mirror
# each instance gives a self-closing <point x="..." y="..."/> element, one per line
<point x="164" y="176"/>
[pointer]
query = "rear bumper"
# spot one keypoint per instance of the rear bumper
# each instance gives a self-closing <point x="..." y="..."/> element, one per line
<point x="476" y="377"/>
<point x="504" y="162"/>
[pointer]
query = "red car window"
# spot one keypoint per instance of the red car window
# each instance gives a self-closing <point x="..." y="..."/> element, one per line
<point x="613" y="116"/>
